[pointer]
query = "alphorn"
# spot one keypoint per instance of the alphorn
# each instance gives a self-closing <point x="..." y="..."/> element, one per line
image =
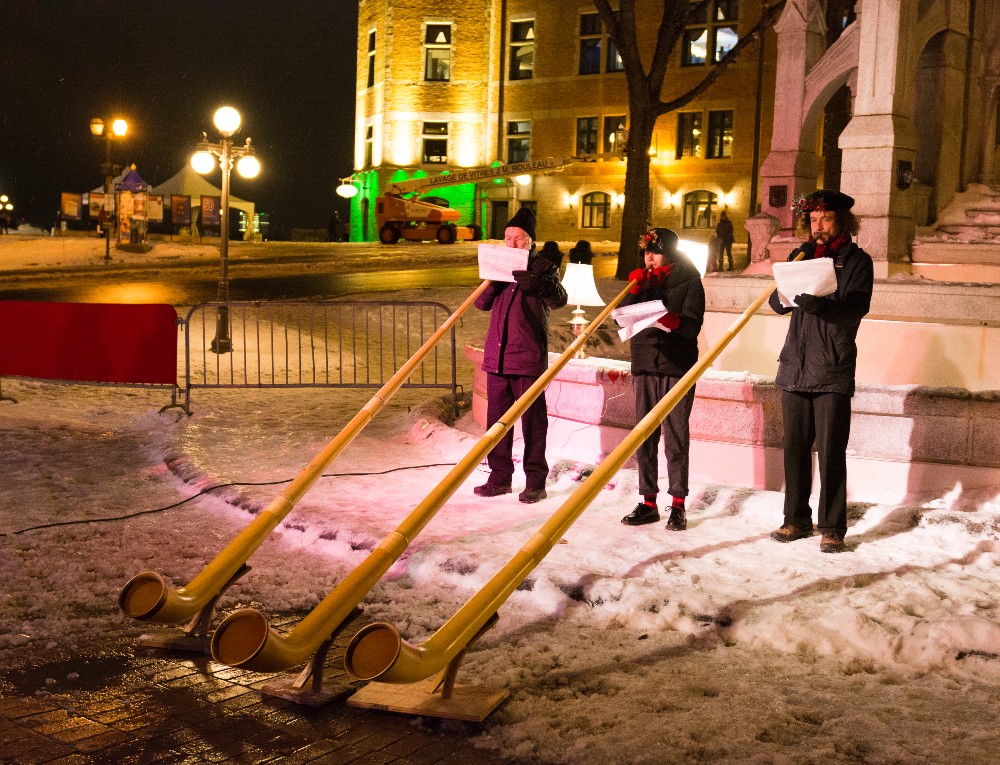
<point x="378" y="651"/>
<point x="244" y="639"/>
<point x="149" y="597"/>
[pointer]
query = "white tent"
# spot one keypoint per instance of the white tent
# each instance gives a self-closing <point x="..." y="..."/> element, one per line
<point x="189" y="183"/>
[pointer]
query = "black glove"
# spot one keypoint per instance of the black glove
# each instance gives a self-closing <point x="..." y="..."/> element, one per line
<point x="527" y="281"/>
<point x="810" y="303"/>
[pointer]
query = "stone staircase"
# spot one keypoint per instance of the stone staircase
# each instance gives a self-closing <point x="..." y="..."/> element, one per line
<point x="964" y="244"/>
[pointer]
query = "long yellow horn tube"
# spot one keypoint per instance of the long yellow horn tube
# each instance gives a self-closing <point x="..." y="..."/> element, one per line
<point x="378" y="652"/>
<point x="148" y="596"/>
<point x="245" y="640"/>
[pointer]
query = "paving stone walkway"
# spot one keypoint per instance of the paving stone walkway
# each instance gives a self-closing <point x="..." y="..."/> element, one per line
<point x="154" y="707"/>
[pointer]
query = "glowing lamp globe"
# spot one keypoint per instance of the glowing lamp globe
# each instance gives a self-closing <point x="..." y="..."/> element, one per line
<point x="347" y="190"/>
<point x="202" y="162"/>
<point x="119" y="127"/>
<point x="248" y="167"/>
<point x="227" y="120"/>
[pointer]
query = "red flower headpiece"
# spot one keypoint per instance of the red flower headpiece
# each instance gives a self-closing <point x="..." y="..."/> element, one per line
<point x="805" y="205"/>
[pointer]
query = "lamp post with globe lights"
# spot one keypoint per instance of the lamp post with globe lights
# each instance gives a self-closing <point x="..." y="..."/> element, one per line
<point x="6" y="209"/>
<point x="115" y="129"/>
<point x="227" y="122"/>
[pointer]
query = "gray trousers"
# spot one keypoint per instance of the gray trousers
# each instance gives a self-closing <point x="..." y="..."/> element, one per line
<point x="649" y="389"/>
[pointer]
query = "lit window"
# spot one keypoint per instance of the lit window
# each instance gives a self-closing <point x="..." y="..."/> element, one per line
<point x="699" y="209"/>
<point x="720" y="135"/>
<point x="369" y="145"/>
<point x="688" y="134"/>
<point x="711" y="33"/>
<point x="371" y="59"/>
<point x="437" y="55"/>
<point x="435" y="143"/>
<point x="518" y="141"/>
<point x="614" y="131"/>
<point x="522" y="50"/>
<point x="595" y="210"/>
<point x="586" y="135"/>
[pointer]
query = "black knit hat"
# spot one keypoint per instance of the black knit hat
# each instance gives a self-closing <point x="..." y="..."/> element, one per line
<point x="581" y="253"/>
<point x="524" y="219"/>
<point x="823" y="200"/>
<point x="659" y="240"/>
<point x="551" y="252"/>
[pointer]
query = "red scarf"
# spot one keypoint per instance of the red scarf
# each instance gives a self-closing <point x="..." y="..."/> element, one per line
<point x="827" y="250"/>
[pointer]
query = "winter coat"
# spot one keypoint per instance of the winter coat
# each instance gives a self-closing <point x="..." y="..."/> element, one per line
<point x="820" y="353"/>
<point x="517" y="342"/>
<point x="655" y="352"/>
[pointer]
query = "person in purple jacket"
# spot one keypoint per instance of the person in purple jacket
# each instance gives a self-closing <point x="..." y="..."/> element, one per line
<point x="516" y="354"/>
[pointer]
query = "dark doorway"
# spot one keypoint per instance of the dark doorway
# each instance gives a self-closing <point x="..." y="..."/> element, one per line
<point x="500" y="214"/>
<point x="836" y="115"/>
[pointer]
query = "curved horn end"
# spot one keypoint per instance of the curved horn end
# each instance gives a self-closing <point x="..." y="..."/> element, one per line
<point x="240" y="637"/>
<point x="143" y="596"/>
<point x="372" y="651"/>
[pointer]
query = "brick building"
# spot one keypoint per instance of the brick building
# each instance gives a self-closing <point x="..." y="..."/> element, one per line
<point x="450" y="84"/>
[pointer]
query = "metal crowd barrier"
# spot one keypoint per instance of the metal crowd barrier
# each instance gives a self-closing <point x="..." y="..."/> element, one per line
<point x="316" y="344"/>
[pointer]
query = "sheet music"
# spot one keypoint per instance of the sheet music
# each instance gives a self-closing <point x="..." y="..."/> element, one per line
<point x="497" y="262"/>
<point x="810" y="277"/>
<point x="638" y="316"/>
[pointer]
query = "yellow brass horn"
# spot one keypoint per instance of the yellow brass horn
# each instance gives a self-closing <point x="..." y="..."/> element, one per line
<point x="378" y="652"/>
<point x="148" y="596"/>
<point x="244" y="640"/>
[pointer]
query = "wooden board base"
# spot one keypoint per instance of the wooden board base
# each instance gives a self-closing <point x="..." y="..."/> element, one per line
<point x="286" y="689"/>
<point x="468" y="702"/>
<point x="175" y="641"/>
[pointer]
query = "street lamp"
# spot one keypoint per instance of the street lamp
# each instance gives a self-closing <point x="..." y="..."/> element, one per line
<point x="118" y="129"/>
<point x="6" y="208"/>
<point x="227" y="122"/>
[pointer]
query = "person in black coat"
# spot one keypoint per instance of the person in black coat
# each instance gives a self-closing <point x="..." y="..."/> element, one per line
<point x="515" y="355"/>
<point x="660" y="357"/>
<point x="816" y="372"/>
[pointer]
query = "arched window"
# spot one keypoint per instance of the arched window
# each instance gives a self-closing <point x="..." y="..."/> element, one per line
<point x="699" y="209"/>
<point x="596" y="209"/>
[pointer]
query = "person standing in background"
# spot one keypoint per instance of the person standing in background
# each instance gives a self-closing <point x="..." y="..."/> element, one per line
<point x="725" y="235"/>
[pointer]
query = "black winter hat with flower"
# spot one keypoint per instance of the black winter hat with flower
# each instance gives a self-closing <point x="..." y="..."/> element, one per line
<point x="659" y="240"/>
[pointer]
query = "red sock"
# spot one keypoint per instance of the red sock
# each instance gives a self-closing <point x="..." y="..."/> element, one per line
<point x="650" y="499"/>
<point x="678" y="503"/>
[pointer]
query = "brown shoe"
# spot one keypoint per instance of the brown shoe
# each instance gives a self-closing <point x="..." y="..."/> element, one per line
<point x="832" y="543"/>
<point x="789" y="533"/>
<point x="531" y="496"/>
<point x="490" y="489"/>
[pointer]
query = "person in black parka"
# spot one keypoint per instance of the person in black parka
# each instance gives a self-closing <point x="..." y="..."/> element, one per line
<point x="816" y="371"/>
<point x="515" y="355"/>
<point x="660" y="357"/>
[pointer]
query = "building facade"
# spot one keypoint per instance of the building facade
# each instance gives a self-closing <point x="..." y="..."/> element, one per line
<point x="450" y="85"/>
<point x="895" y="103"/>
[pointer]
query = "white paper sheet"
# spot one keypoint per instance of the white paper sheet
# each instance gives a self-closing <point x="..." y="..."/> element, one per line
<point x="498" y="263"/>
<point x="638" y="316"/>
<point x="809" y="277"/>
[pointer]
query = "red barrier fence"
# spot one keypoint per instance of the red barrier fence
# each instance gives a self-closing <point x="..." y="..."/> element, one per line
<point x="89" y="342"/>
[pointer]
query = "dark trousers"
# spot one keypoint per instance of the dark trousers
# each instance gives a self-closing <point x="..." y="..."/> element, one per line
<point x="725" y="251"/>
<point x="501" y="392"/>
<point x="649" y="389"/>
<point x="823" y="419"/>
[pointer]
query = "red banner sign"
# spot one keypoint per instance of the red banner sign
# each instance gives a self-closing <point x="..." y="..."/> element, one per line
<point x="89" y="342"/>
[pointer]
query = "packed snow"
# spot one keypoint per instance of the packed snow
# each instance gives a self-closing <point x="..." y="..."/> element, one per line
<point x="625" y="645"/>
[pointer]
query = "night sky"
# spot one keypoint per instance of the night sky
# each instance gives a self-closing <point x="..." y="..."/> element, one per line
<point x="288" y="66"/>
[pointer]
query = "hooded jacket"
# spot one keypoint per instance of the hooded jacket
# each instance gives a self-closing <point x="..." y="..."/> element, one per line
<point x="820" y="354"/>
<point x="655" y="352"/>
<point x="517" y="342"/>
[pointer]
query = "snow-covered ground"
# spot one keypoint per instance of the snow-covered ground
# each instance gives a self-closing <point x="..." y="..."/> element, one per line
<point x="626" y="645"/>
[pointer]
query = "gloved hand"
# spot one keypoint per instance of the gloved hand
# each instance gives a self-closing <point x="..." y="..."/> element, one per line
<point x="669" y="320"/>
<point x="527" y="281"/>
<point x="810" y="303"/>
<point x="640" y="274"/>
<point x="658" y="276"/>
